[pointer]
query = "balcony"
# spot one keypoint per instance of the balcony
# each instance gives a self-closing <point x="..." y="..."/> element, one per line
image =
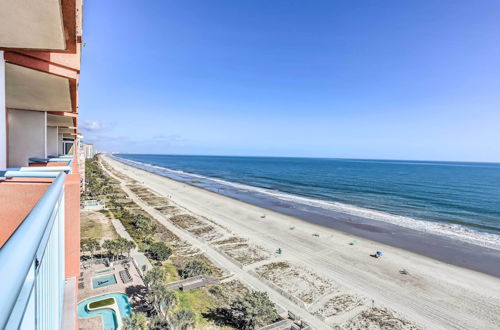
<point x="39" y="245"/>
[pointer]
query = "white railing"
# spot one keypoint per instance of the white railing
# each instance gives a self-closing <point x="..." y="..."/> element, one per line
<point x="32" y="265"/>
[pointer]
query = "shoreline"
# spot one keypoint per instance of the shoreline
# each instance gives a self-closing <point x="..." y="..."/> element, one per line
<point x="439" y="247"/>
<point x="433" y="294"/>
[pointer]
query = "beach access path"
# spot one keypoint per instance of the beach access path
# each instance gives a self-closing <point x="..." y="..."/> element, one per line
<point x="139" y="257"/>
<point x="434" y="295"/>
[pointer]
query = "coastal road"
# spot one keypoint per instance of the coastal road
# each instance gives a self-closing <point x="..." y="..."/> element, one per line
<point x="220" y="259"/>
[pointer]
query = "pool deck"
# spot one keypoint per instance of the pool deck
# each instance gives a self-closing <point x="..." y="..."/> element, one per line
<point x="89" y="292"/>
<point x="90" y="323"/>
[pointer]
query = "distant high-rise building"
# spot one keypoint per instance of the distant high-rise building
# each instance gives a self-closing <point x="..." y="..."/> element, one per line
<point x="88" y="149"/>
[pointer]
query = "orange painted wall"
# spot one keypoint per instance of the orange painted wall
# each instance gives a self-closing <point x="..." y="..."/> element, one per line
<point x="72" y="225"/>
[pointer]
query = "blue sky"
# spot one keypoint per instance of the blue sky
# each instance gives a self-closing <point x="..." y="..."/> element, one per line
<point x="354" y="79"/>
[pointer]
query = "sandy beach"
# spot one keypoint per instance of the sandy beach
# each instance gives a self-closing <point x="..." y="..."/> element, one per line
<point x="329" y="272"/>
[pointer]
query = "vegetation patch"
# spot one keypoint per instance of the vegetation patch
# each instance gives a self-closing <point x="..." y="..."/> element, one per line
<point x="94" y="225"/>
<point x="379" y="318"/>
<point x="198" y="301"/>
<point x="246" y="254"/>
<point x="253" y="310"/>
<point x="296" y="280"/>
<point x="168" y="210"/>
<point x="180" y="262"/>
<point x="102" y="303"/>
<point x="159" y="251"/>
<point x="339" y="305"/>
<point x="185" y="221"/>
<point x="231" y="240"/>
<point x="224" y="293"/>
<point x="195" y="268"/>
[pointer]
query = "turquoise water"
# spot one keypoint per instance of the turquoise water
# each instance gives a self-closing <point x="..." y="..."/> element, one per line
<point x="457" y="200"/>
<point x="108" y="316"/>
<point x="102" y="281"/>
<point x="104" y="270"/>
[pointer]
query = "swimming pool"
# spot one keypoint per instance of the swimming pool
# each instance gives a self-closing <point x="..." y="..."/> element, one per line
<point x="109" y="317"/>
<point x="104" y="270"/>
<point x="101" y="281"/>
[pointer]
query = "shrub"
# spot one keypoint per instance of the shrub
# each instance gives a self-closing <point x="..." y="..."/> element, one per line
<point x="159" y="251"/>
<point x="195" y="268"/>
<point x="254" y="310"/>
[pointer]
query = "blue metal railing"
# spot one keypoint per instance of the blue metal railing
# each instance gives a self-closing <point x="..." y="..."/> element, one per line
<point x="66" y="169"/>
<point x="45" y="160"/>
<point x="32" y="263"/>
<point x="24" y="174"/>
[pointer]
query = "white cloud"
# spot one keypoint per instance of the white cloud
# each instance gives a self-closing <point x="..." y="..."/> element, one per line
<point x="91" y="126"/>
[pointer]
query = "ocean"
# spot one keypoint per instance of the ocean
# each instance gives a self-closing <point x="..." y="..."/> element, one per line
<point x="456" y="200"/>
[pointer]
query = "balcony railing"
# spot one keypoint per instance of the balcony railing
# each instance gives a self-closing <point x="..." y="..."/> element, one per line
<point x="32" y="262"/>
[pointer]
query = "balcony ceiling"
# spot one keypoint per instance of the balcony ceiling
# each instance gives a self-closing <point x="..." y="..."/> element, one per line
<point x="66" y="130"/>
<point x="54" y="120"/>
<point x="29" y="89"/>
<point x="32" y="24"/>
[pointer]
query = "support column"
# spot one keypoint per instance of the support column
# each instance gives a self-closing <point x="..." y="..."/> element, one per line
<point x="60" y="145"/>
<point x="3" y="116"/>
<point x="52" y="141"/>
<point x="27" y="136"/>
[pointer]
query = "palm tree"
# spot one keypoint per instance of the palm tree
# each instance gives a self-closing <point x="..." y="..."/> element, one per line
<point x="84" y="246"/>
<point x="168" y="300"/>
<point x="156" y="275"/>
<point x="159" y="323"/>
<point x="136" y="321"/>
<point x="110" y="246"/>
<point x="121" y="244"/>
<point x="183" y="319"/>
<point x="160" y="298"/>
<point x="129" y="245"/>
<point x="92" y="246"/>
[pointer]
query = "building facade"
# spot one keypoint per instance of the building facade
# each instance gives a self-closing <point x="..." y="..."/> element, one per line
<point x="89" y="151"/>
<point x="40" y="51"/>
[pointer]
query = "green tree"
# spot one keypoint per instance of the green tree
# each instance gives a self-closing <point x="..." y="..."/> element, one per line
<point x="183" y="319"/>
<point x="92" y="246"/>
<point x="136" y="321"/>
<point x="159" y="323"/>
<point x="159" y="251"/>
<point x="157" y="275"/>
<point x="129" y="246"/>
<point x="195" y="268"/>
<point x="110" y="246"/>
<point x="121" y="245"/>
<point x="159" y="297"/>
<point x="143" y="224"/>
<point x="254" y="310"/>
<point x="84" y="246"/>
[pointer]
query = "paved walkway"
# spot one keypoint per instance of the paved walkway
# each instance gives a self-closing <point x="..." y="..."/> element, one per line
<point x="220" y="259"/>
<point x="139" y="257"/>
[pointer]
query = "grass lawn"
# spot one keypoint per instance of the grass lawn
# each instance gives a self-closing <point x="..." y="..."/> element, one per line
<point x="198" y="301"/>
<point x="173" y="275"/>
<point x="90" y="229"/>
<point x="96" y="225"/>
<point x="102" y="303"/>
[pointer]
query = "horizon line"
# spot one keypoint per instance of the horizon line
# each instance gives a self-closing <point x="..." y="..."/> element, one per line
<point x="308" y="157"/>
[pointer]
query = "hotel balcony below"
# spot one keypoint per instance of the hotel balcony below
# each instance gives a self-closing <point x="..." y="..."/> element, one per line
<point x="39" y="244"/>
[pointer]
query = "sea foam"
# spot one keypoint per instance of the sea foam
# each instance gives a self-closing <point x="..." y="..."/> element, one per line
<point x="453" y="231"/>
